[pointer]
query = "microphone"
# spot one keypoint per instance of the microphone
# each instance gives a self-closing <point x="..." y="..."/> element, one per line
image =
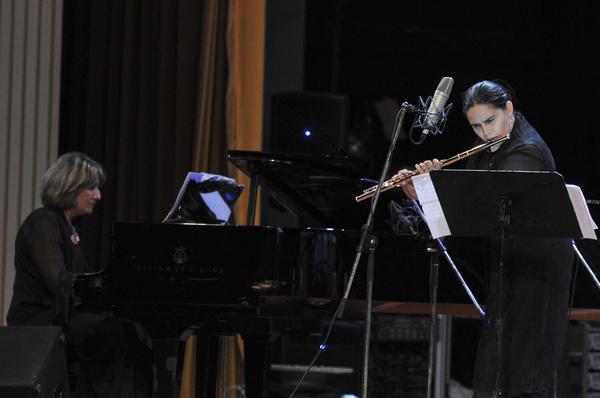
<point x="436" y="112"/>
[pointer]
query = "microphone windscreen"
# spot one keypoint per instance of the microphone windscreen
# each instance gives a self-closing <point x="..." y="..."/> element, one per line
<point x="445" y="85"/>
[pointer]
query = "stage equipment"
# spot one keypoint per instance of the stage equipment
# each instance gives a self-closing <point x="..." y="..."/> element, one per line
<point x="432" y="114"/>
<point x="33" y="362"/>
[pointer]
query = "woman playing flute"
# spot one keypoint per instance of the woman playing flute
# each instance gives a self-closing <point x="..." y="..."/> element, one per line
<point x="536" y="272"/>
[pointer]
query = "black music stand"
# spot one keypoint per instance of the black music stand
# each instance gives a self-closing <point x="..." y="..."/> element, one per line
<point x="500" y="204"/>
<point x="472" y="199"/>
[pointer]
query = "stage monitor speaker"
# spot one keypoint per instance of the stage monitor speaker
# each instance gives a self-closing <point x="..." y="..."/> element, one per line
<point x="309" y="122"/>
<point x="33" y="362"/>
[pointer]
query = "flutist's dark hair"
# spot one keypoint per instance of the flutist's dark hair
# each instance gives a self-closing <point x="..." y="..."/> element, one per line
<point x="489" y="92"/>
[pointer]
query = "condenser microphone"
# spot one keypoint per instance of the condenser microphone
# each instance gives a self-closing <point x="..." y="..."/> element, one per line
<point x="435" y="112"/>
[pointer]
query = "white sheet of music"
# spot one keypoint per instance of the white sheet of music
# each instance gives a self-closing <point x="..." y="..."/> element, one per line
<point x="213" y="200"/>
<point x="434" y="215"/>
<point x="217" y="205"/>
<point x="586" y="223"/>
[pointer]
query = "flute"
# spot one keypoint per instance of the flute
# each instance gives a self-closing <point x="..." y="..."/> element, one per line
<point x="395" y="181"/>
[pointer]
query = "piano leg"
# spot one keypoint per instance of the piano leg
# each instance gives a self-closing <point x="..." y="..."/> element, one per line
<point x="257" y="364"/>
<point x="196" y="373"/>
<point x="206" y="359"/>
<point x="207" y="363"/>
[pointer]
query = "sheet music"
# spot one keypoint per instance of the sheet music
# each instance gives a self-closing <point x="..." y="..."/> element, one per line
<point x="214" y="201"/>
<point x="586" y="223"/>
<point x="434" y="215"/>
<point x="217" y="205"/>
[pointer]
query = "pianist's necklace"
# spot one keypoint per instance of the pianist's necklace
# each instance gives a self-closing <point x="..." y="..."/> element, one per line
<point x="74" y="236"/>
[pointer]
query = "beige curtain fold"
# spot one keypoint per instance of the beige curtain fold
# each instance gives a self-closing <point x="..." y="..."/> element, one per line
<point x="245" y="50"/>
<point x="210" y="137"/>
<point x="243" y="131"/>
<point x="30" y="67"/>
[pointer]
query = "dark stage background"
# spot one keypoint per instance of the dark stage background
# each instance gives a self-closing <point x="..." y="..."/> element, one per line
<point x="132" y="111"/>
<point x="129" y="68"/>
<point x="371" y="49"/>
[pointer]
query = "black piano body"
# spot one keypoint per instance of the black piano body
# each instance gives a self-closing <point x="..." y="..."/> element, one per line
<point x="258" y="282"/>
<point x="261" y="281"/>
<point x="164" y="271"/>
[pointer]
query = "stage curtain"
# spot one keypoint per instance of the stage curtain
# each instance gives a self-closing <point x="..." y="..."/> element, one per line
<point x="243" y="121"/>
<point x="210" y="139"/>
<point x="245" y="51"/>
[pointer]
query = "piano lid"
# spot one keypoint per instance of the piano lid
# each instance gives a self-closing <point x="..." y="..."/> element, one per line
<point x="320" y="189"/>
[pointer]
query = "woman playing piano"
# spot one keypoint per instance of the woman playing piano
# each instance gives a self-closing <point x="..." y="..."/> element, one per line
<point x="114" y="362"/>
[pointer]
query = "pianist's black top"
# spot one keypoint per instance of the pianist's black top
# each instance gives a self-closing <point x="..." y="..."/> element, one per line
<point x="535" y="291"/>
<point x="46" y="257"/>
<point x="115" y="363"/>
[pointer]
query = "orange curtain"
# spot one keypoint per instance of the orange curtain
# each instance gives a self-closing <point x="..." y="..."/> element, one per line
<point x="245" y="40"/>
<point x="210" y="136"/>
<point x="244" y="103"/>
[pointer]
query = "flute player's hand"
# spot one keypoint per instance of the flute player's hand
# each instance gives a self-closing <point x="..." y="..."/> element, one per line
<point x="428" y="165"/>
<point x="423" y="167"/>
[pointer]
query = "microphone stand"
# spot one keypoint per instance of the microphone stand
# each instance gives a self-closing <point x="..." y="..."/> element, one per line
<point x="585" y="264"/>
<point x="367" y="238"/>
<point x="433" y="288"/>
<point x="444" y="251"/>
<point x="504" y="222"/>
<point x="433" y="293"/>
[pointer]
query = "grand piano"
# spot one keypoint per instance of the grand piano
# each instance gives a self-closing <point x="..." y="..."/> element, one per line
<point x="264" y="281"/>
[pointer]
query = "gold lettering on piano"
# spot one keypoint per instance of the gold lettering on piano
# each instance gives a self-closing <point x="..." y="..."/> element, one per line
<point x="201" y="271"/>
<point x="163" y="268"/>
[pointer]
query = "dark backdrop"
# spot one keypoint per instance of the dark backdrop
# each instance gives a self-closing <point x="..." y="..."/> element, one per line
<point x="128" y="99"/>
<point x="371" y="49"/>
<point x="129" y="76"/>
<point x="375" y="48"/>
<point x="129" y="70"/>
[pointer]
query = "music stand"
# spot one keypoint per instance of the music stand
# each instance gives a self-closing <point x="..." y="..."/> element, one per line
<point x="471" y="201"/>
<point x="498" y="204"/>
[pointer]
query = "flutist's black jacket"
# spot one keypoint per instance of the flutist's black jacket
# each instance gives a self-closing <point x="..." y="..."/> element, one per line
<point x="535" y="292"/>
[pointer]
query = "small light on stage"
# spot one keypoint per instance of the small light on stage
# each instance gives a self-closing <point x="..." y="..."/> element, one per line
<point x="323" y="347"/>
<point x="349" y="396"/>
<point x="307" y="133"/>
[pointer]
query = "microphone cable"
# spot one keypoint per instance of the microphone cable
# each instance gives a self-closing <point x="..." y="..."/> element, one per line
<point x="322" y="347"/>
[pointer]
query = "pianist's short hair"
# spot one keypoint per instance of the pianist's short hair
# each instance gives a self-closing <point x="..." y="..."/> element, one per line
<point x="70" y="174"/>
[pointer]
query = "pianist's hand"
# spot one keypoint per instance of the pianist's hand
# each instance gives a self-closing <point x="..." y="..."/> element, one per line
<point x="423" y="167"/>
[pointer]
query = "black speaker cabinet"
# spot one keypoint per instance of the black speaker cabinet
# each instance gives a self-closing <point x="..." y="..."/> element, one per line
<point x="33" y="362"/>
<point x="309" y="122"/>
